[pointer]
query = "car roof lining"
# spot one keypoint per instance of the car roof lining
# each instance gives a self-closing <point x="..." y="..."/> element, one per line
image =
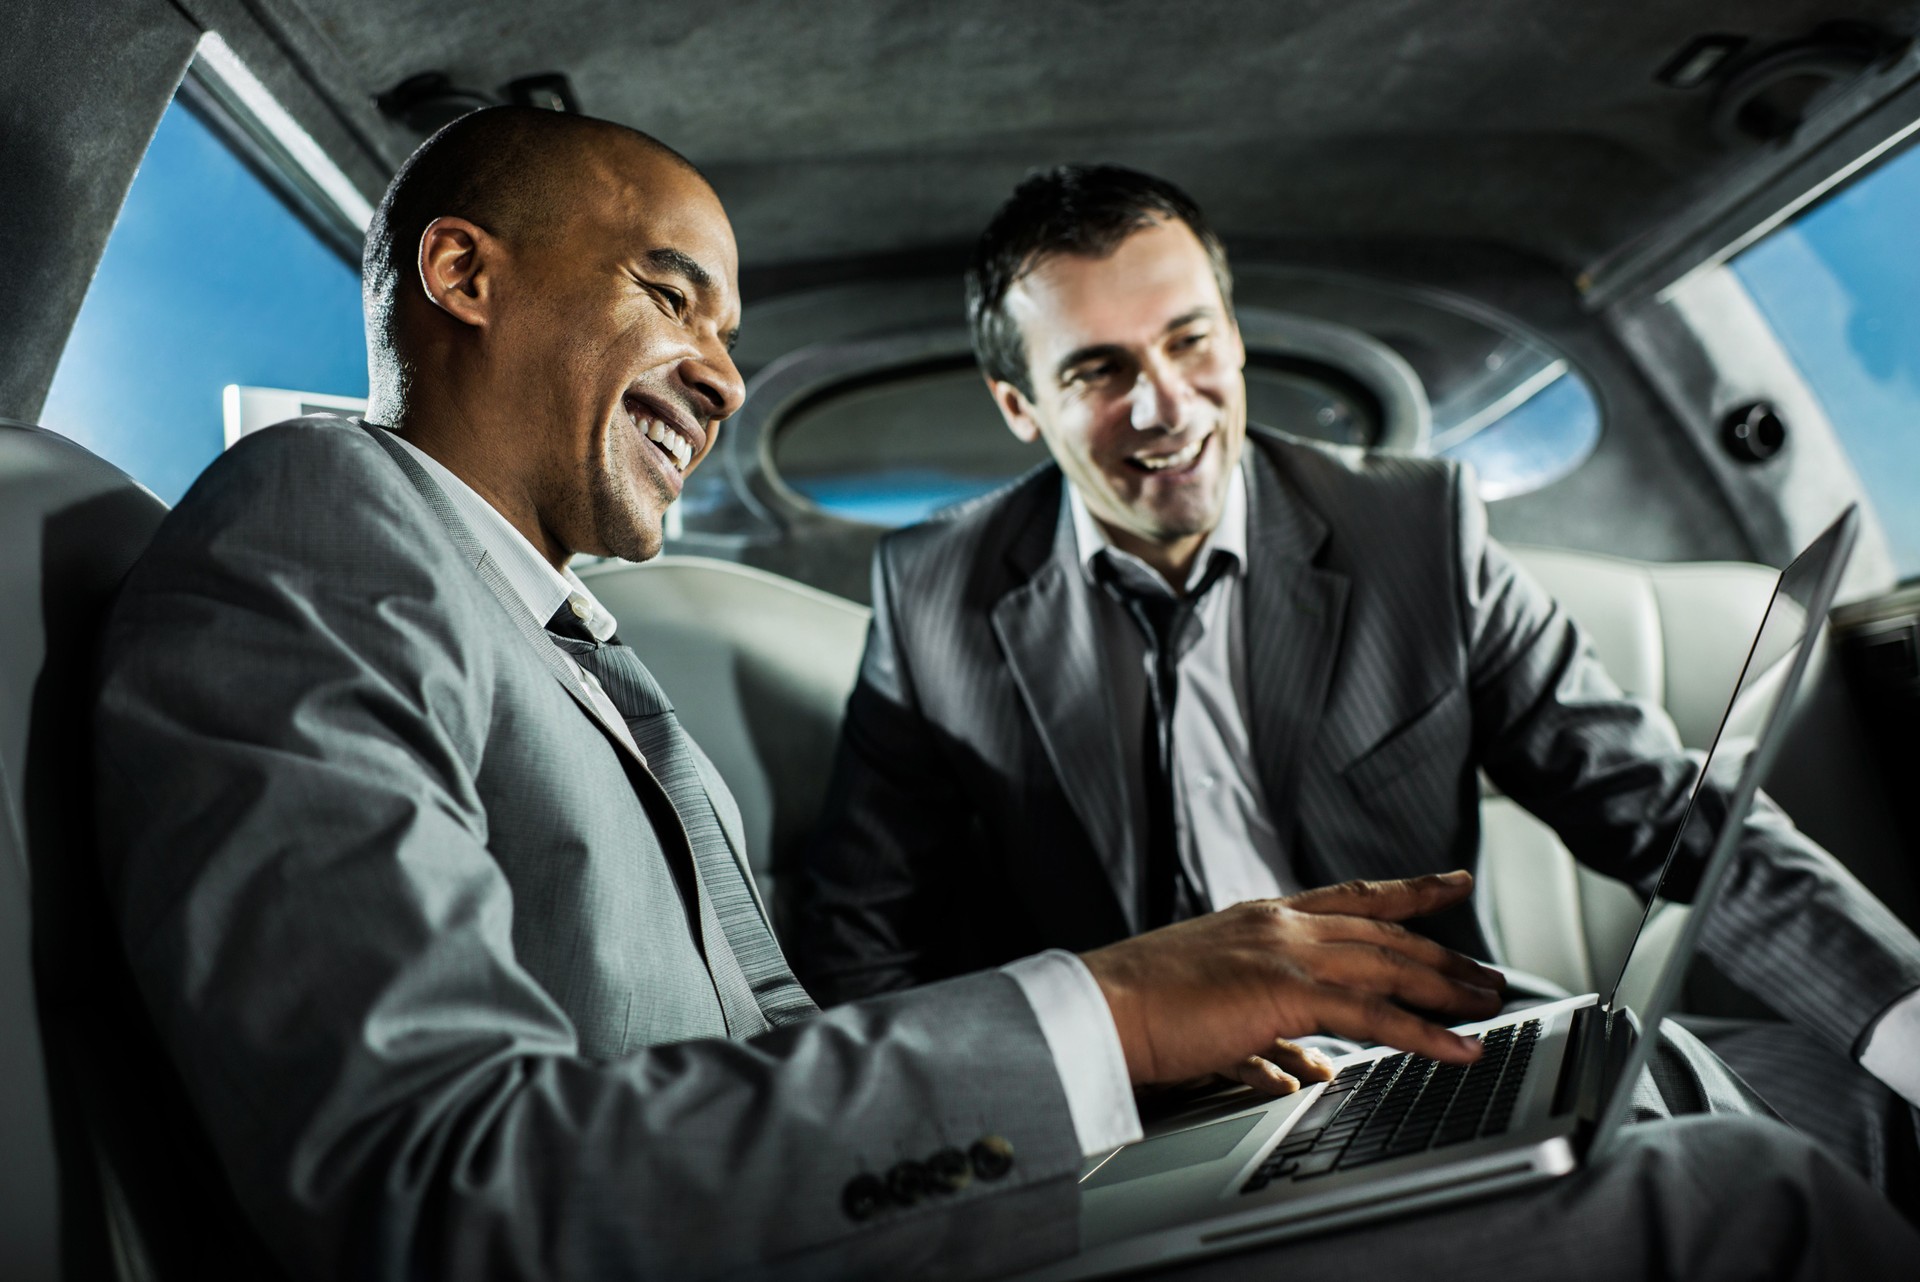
<point x="842" y="129"/>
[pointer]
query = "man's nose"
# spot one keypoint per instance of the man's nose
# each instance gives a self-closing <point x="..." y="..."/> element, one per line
<point x="1159" y="400"/>
<point x="715" y="379"/>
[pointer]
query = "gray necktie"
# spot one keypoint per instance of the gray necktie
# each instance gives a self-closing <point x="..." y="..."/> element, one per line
<point x="756" y="986"/>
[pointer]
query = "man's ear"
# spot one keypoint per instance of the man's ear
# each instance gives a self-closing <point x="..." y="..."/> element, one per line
<point x="1016" y="409"/>
<point x="458" y="261"/>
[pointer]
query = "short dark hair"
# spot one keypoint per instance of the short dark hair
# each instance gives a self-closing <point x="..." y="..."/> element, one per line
<point x="1069" y="209"/>
<point x="503" y="168"/>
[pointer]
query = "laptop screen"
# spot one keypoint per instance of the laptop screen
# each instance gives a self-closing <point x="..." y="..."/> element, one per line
<point x="1723" y="783"/>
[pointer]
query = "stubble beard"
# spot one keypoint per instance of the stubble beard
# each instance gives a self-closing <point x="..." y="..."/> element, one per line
<point x="617" y="512"/>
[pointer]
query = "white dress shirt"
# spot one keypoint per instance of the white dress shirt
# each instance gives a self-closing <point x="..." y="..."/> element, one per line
<point x="1220" y="816"/>
<point x="1066" y="1000"/>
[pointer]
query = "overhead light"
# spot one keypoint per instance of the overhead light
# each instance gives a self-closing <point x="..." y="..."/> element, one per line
<point x="549" y="91"/>
<point x="430" y="101"/>
<point x="1700" y="61"/>
<point x="1777" y="89"/>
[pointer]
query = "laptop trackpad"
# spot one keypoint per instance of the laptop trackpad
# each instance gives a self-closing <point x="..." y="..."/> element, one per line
<point x="1207" y="1143"/>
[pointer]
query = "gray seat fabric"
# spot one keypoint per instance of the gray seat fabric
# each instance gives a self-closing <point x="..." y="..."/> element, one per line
<point x="102" y="1173"/>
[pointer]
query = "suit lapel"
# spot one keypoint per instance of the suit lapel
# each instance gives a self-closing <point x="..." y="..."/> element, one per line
<point x="528" y="627"/>
<point x="678" y="854"/>
<point x="1046" y="627"/>
<point x="1294" y="614"/>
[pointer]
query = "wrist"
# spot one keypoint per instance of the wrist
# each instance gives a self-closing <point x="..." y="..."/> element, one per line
<point x="1123" y="1004"/>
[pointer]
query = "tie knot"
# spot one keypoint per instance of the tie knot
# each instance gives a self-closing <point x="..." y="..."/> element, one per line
<point x="575" y="621"/>
<point x="1162" y="617"/>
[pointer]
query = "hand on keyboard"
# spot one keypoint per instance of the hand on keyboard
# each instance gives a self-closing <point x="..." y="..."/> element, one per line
<point x="1204" y="995"/>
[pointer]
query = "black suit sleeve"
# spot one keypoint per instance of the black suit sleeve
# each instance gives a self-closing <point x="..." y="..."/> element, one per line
<point x="876" y="911"/>
<point x="1608" y="773"/>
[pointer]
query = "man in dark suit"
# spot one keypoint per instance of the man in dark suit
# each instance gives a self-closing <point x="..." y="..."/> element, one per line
<point x="1191" y="664"/>
<point x="446" y="924"/>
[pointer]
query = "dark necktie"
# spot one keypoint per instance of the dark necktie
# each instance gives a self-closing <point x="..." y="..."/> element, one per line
<point x="755" y="984"/>
<point x="1170" y="628"/>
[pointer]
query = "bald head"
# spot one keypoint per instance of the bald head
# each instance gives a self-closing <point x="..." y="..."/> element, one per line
<point x="551" y="305"/>
<point x="514" y="171"/>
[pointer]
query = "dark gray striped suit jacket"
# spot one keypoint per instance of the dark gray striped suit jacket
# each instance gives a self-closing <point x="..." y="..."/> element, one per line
<point x="404" y="913"/>
<point x="1393" y="650"/>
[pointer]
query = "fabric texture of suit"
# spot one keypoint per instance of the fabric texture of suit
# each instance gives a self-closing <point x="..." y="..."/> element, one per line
<point x="414" y="925"/>
<point x="1394" y="651"/>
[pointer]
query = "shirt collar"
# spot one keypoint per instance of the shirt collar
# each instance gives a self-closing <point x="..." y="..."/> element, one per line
<point x="1229" y="534"/>
<point x="540" y="587"/>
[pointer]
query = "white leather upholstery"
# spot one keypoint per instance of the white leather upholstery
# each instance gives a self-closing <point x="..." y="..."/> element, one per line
<point x="1674" y="634"/>
<point x="760" y="668"/>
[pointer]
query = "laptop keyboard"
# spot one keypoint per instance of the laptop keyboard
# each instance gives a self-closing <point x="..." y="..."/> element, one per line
<point x="1406" y="1104"/>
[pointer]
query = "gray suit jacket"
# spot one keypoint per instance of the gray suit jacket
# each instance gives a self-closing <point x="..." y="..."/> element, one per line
<point x="1393" y="651"/>
<point x="406" y="917"/>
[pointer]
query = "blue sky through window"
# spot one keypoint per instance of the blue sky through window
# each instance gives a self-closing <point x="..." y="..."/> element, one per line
<point x="208" y="280"/>
<point x="1841" y="287"/>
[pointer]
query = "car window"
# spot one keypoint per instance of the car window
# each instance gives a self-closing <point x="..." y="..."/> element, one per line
<point x="895" y="450"/>
<point x="1536" y="432"/>
<point x="1839" y="286"/>
<point x="892" y="446"/>
<point x="209" y="280"/>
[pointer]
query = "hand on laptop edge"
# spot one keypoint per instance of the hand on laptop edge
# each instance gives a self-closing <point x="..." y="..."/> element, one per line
<point x="1217" y="993"/>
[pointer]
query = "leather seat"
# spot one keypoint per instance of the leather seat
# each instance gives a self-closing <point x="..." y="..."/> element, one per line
<point x="760" y="668"/>
<point x="71" y="525"/>
<point x="1674" y="634"/>
<point x="102" y="1172"/>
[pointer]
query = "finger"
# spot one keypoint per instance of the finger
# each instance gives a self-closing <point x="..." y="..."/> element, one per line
<point x="1263" y="1075"/>
<point x="1365" y="1018"/>
<point x="1375" y="969"/>
<point x="1344" y="928"/>
<point x="1302" y="1062"/>
<point x="1387" y="900"/>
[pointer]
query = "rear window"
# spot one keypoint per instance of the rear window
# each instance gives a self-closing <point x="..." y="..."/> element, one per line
<point x="894" y="450"/>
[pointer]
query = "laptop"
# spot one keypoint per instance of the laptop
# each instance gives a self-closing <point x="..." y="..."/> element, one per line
<point x="1395" y="1133"/>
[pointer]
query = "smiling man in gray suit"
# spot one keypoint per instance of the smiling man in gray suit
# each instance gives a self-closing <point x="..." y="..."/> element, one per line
<point x="1192" y="664"/>
<point x="447" y="926"/>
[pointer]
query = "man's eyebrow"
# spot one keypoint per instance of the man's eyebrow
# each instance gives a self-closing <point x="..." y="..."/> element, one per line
<point x="1187" y="318"/>
<point x="1105" y="351"/>
<point x="1081" y="355"/>
<point x="683" y="264"/>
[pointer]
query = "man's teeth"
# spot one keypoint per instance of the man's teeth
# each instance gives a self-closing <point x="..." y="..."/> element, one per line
<point x="669" y="440"/>
<point x="1156" y="463"/>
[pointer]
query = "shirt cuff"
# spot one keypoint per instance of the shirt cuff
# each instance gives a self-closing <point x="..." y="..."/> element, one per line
<point x="1074" y="1018"/>
<point x="1892" y="1053"/>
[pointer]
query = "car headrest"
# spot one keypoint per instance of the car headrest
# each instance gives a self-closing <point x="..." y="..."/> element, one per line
<point x="1675" y="634"/>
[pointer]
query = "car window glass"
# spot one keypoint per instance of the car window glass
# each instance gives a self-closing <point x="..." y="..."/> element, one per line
<point x="889" y="447"/>
<point x="1839" y="287"/>
<point x="895" y="450"/>
<point x="208" y="280"/>
<point x="1537" y="433"/>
